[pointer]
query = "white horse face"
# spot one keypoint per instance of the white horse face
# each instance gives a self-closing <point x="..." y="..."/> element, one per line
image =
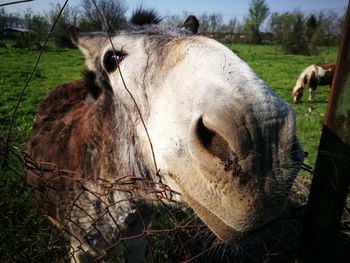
<point x="220" y="136"/>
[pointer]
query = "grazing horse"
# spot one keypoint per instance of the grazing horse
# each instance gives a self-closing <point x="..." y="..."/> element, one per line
<point x="313" y="75"/>
<point x="162" y="105"/>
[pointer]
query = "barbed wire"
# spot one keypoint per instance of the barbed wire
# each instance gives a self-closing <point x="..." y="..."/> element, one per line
<point x="20" y="97"/>
<point x="15" y="2"/>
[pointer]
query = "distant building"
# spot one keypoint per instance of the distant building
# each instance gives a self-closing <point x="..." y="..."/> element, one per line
<point x="17" y="30"/>
<point x="21" y="36"/>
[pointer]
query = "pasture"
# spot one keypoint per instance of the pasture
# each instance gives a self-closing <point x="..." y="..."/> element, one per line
<point x="278" y="70"/>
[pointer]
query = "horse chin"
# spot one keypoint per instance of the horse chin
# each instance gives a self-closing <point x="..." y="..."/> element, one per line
<point x="224" y="232"/>
<point x="247" y="221"/>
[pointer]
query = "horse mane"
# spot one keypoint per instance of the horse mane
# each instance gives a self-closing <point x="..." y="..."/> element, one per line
<point x="141" y="17"/>
<point x="306" y="74"/>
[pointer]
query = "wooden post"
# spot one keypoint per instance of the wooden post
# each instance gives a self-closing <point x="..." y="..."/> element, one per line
<point x="331" y="180"/>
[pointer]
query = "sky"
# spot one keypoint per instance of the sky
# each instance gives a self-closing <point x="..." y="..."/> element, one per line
<point x="228" y="8"/>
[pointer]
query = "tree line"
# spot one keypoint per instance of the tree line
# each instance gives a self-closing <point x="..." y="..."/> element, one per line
<point x="297" y="32"/>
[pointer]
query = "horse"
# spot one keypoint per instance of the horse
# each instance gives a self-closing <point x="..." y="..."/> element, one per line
<point x="313" y="76"/>
<point x="162" y="115"/>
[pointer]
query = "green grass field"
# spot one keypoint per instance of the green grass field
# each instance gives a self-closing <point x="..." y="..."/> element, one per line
<point x="278" y="70"/>
<point x="22" y="230"/>
<point x="55" y="67"/>
<point x="24" y="233"/>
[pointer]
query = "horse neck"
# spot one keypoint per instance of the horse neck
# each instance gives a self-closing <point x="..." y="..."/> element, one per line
<point x="124" y="143"/>
<point x="306" y="75"/>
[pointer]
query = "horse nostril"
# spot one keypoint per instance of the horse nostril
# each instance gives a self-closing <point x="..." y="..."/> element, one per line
<point x="205" y="135"/>
<point x="212" y="142"/>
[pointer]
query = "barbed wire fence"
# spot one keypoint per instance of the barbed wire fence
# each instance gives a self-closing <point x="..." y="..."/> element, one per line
<point x="27" y="234"/>
<point x="175" y="234"/>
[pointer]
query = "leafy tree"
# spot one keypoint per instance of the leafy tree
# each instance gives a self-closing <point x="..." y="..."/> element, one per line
<point x="275" y="26"/>
<point x="14" y="20"/>
<point x="289" y="30"/>
<point x="311" y="26"/>
<point x="330" y="26"/>
<point x="313" y="33"/>
<point x="174" y="20"/>
<point x="204" y="23"/>
<point x="2" y="23"/>
<point x="69" y="17"/>
<point x="37" y="23"/>
<point x="230" y="29"/>
<point x="40" y="26"/>
<point x="215" y="25"/>
<point x="258" y="12"/>
<point x="177" y="20"/>
<point x="211" y="24"/>
<point x="113" y="12"/>
<point x="297" y="43"/>
<point x="215" y="21"/>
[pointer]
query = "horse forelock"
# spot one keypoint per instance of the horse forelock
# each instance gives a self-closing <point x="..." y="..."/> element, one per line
<point x="142" y="17"/>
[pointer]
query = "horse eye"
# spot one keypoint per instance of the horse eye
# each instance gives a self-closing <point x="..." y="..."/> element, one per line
<point x="112" y="59"/>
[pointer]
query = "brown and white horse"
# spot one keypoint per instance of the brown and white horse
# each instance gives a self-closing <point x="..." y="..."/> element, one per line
<point x="313" y="76"/>
<point x="216" y="135"/>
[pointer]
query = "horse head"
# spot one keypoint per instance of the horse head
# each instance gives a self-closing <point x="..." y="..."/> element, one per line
<point x="184" y="109"/>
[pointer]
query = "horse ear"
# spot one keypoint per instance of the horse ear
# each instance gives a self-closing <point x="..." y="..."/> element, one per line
<point x="191" y="24"/>
<point x="89" y="43"/>
<point x="142" y="17"/>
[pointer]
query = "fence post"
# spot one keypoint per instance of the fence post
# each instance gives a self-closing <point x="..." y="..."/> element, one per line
<point x="331" y="180"/>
